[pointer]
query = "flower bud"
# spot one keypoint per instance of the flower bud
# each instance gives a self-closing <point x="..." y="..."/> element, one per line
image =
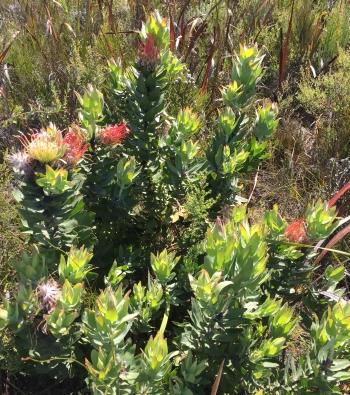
<point x="148" y="52"/>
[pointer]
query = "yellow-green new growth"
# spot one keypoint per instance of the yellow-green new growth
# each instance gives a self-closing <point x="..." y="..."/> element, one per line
<point x="91" y="110"/>
<point x="156" y="26"/>
<point x="163" y="264"/>
<point x="266" y="121"/>
<point x="207" y="289"/>
<point x="320" y="220"/>
<point x="53" y="181"/>
<point x="76" y="267"/>
<point x="67" y="309"/>
<point x="156" y="350"/>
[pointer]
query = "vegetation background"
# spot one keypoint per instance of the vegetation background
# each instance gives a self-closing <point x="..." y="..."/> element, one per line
<point x="51" y="49"/>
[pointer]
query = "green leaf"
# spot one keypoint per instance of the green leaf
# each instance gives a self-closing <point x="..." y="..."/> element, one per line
<point x="339" y="364"/>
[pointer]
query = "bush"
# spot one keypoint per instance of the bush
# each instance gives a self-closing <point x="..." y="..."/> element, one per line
<point x="118" y="207"/>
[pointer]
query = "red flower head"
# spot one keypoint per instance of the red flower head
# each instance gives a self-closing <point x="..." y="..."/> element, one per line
<point x="296" y="231"/>
<point x="148" y="52"/>
<point x="114" y="134"/>
<point x="76" y="145"/>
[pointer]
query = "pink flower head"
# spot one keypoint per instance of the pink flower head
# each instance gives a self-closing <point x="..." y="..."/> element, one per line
<point x="148" y="52"/>
<point x="296" y="231"/>
<point x="76" y="145"/>
<point x="114" y="134"/>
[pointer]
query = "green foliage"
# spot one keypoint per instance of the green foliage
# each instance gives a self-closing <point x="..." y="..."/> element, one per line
<point x="245" y="75"/>
<point x="66" y="310"/>
<point x="91" y="104"/>
<point x="76" y="267"/>
<point x="53" y="214"/>
<point x="126" y="172"/>
<point x="53" y="182"/>
<point x="163" y="265"/>
<point x="320" y="220"/>
<point x="336" y="34"/>
<point x="234" y="148"/>
<point x="266" y="122"/>
<point x="325" y="367"/>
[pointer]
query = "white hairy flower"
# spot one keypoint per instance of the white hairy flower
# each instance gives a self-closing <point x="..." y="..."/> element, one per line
<point x="21" y="162"/>
<point x="48" y="292"/>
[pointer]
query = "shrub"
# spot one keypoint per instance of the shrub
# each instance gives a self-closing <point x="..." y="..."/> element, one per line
<point x="111" y="209"/>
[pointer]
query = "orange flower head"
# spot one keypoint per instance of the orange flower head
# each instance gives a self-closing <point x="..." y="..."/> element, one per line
<point x="114" y="134"/>
<point x="296" y="231"/>
<point x="76" y="145"/>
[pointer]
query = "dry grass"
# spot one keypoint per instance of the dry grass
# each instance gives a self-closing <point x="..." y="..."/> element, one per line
<point x="291" y="177"/>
